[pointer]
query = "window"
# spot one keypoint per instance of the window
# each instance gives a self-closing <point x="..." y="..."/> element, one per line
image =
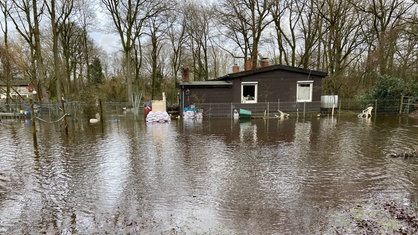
<point x="249" y="91"/>
<point x="304" y="91"/>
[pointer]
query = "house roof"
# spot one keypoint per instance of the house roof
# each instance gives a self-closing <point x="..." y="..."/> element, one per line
<point x="206" y="83"/>
<point x="15" y="82"/>
<point x="272" y="68"/>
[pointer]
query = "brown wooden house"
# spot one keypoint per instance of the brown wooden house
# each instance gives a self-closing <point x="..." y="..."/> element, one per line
<point x="284" y="86"/>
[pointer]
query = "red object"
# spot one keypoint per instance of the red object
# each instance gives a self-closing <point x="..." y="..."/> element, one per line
<point x="31" y="86"/>
<point x="147" y="109"/>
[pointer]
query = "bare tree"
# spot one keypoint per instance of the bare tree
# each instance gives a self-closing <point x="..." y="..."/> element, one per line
<point x="72" y="43"/>
<point x="342" y="27"/>
<point x="86" y="20"/>
<point x="199" y="25"/>
<point x="176" y="34"/>
<point x="26" y="19"/>
<point x="297" y="26"/>
<point x="312" y="33"/>
<point x="245" y="21"/>
<point x="59" y="13"/>
<point x="407" y="50"/>
<point x="386" y="19"/>
<point x="157" y="27"/>
<point x="76" y="46"/>
<point x="337" y="36"/>
<point x="128" y="17"/>
<point x="5" y="8"/>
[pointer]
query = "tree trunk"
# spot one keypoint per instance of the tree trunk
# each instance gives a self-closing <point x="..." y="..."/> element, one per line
<point x="7" y="72"/>
<point x="128" y="71"/>
<point x="39" y="69"/>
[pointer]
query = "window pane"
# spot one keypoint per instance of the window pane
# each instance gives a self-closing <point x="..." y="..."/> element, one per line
<point x="304" y="92"/>
<point x="249" y="93"/>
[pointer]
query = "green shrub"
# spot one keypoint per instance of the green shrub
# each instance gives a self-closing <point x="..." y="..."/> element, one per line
<point x="387" y="91"/>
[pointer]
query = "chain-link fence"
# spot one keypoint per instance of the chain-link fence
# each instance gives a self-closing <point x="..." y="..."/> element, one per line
<point x="78" y="110"/>
<point x="403" y="105"/>
<point x="261" y="109"/>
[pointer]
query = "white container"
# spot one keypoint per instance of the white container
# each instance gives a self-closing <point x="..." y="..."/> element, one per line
<point x="329" y="101"/>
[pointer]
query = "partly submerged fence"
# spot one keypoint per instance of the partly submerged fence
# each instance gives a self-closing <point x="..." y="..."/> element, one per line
<point x="404" y="105"/>
<point x="269" y="109"/>
<point x="77" y="110"/>
<point x="266" y="109"/>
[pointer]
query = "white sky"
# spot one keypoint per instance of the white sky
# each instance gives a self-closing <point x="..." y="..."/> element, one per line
<point x="103" y="33"/>
<point x="109" y="42"/>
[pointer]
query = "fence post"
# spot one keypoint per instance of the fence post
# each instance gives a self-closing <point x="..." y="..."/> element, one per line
<point x="407" y="107"/>
<point x="268" y="109"/>
<point x="375" y="105"/>
<point x="65" y="124"/>
<point x="339" y="108"/>
<point x="101" y="111"/>
<point x="400" y="105"/>
<point x="32" y="116"/>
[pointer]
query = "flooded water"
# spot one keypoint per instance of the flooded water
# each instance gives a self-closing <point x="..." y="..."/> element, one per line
<point x="216" y="176"/>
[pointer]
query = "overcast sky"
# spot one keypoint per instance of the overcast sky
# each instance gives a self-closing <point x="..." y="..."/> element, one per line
<point x="103" y="33"/>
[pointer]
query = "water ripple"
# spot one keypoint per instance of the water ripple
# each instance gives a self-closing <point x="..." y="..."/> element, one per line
<point x="216" y="176"/>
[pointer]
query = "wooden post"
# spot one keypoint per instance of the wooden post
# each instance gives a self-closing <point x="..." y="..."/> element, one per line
<point x="101" y="111"/>
<point x="65" y="116"/>
<point x="400" y="105"/>
<point x="32" y="116"/>
<point x="407" y="107"/>
<point x="339" y="108"/>
<point x="268" y="109"/>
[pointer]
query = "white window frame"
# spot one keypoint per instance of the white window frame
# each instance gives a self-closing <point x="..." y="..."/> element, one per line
<point x="248" y="100"/>
<point x="310" y="83"/>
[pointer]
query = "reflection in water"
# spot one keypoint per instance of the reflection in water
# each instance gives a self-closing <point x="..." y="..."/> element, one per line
<point x="248" y="132"/>
<point x="112" y="172"/>
<point x="212" y="176"/>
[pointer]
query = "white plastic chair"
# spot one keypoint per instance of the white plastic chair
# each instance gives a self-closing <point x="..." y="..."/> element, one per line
<point x="367" y="113"/>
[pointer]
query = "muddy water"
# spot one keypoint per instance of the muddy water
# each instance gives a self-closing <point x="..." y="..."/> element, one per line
<point x="215" y="176"/>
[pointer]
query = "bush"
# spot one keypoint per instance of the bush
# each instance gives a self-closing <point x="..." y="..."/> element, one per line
<point x="388" y="91"/>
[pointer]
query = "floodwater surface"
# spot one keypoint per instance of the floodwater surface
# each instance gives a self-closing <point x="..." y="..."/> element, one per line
<point x="272" y="176"/>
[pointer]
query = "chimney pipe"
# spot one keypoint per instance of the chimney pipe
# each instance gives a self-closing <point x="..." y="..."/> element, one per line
<point x="185" y="74"/>
<point x="264" y="62"/>
<point x="248" y="64"/>
<point x="235" y="68"/>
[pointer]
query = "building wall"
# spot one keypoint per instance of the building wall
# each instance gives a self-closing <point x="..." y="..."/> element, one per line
<point x="208" y="95"/>
<point x="277" y="85"/>
<point x="272" y="86"/>
<point x="22" y="90"/>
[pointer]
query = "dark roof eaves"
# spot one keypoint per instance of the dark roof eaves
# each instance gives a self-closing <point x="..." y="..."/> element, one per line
<point x="211" y="83"/>
<point x="272" y="68"/>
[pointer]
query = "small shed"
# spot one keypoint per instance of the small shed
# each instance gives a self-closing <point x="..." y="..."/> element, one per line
<point x="275" y="83"/>
<point x="19" y="88"/>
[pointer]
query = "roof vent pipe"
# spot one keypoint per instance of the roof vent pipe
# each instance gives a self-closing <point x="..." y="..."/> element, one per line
<point x="235" y="68"/>
<point x="264" y="62"/>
